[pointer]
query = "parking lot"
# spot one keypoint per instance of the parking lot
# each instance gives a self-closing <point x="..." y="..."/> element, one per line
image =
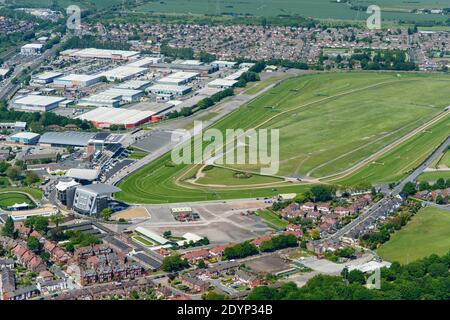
<point x="220" y="222"/>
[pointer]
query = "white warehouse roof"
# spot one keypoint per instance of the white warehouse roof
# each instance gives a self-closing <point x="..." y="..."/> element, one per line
<point x="79" y="77"/>
<point x="123" y="72"/>
<point x="222" y="83"/>
<point x="47" y="75"/>
<point x="38" y="100"/>
<point x="100" y="53"/>
<point x="116" y="115"/>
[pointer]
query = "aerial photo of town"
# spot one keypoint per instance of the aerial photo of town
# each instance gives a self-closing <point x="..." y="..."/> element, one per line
<point x="224" y="150"/>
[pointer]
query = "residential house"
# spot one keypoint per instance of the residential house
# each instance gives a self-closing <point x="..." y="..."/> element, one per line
<point x="248" y="278"/>
<point x="258" y="241"/>
<point x="218" y="251"/>
<point x="195" y="256"/>
<point x="195" y="285"/>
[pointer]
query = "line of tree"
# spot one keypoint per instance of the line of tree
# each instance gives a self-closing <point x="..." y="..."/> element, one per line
<point x="246" y="249"/>
<point x="202" y="104"/>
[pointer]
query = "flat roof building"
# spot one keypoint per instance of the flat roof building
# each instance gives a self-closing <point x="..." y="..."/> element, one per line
<point x="123" y="73"/>
<point x="83" y="175"/>
<point x="102" y="100"/>
<point x="223" y="64"/>
<point x="161" y="89"/>
<point x="77" y="80"/>
<point x="178" y="78"/>
<point x="93" y="53"/>
<point x="104" y="117"/>
<point x="45" y="77"/>
<point x="202" y="69"/>
<point x="144" y="62"/>
<point x="135" y="85"/>
<point x="33" y="102"/>
<point x="4" y="72"/>
<point x="32" y="49"/>
<point x="24" y="138"/>
<point x="14" y="126"/>
<point x="127" y="95"/>
<point x="67" y="138"/>
<point x="222" y="83"/>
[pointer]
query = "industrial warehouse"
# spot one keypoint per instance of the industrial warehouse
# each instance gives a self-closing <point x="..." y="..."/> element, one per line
<point x="103" y="117"/>
<point x="122" y="88"/>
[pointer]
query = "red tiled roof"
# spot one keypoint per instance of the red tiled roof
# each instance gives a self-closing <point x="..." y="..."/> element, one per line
<point x="196" y="254"/>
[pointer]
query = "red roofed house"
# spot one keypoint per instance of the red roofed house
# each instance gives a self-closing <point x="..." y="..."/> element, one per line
<point x="218" y="251"/>
<point x="258" y="241"/>
<point x="308" y="206"/>
<point x="196" y="255"/>
<point x="341" y="211"/>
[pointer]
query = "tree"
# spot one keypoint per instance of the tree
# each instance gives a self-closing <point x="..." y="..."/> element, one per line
<point x="4" y="166"/>
<point x="167" y="234"/>
<point x="106" y="213"/>
<point x="174" y="263"/>
<point x="322" y="193"/>
<point x="440" y="184"/>
<point x="37" y="223"/>
<point x="13" y="173"/>
<point x="8" y="229"/>
<point x="30" y="178"/>
<point x="424" y="185"/>
<point x="33" y="244"/>
<point x="440" y="199"/>
<point x="57" y="219"/>
<point x="356" y="276"/>
<point x="409" y="189"/>
<point x="201" y="264"/>
<point x="212" y="295"/>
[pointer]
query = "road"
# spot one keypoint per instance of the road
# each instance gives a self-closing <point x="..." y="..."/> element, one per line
<point x="10" y="88"/>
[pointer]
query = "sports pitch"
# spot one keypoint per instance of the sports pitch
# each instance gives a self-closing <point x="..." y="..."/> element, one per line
<point x="328" y="123"/>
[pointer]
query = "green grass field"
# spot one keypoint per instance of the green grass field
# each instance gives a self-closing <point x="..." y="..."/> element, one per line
<point x="426" y="233"/>
<point x="8" y="199"/>
<point x="272" y="220"/>
<point x="328" y="122"/>
<point x="401" y="160"/>
<point x="321" y="9"/>
<point x="445" y="160"/>
<point x="226" y="177"/>
<point x="433" y="176"/>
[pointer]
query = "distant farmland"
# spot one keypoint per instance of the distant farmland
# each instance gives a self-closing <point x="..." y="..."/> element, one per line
<point x="321" y="9"/>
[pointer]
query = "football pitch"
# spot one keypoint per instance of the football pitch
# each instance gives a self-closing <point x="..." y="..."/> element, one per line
<point x="328" y="123"/>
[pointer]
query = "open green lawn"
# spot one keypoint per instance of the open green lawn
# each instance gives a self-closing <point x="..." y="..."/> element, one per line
<point x="445" y="160"/>
<point x="426" y="233"/>
<point x="137" y="154"/>
<point x="8" y="199"/>
<point x="433" y="176"/>
<point x="227" y="177"/>
<point x="36" y="194"/>
<point x="272" y="220"/>
<point x="143" y="241"/>
<point x="328" y="122"/>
